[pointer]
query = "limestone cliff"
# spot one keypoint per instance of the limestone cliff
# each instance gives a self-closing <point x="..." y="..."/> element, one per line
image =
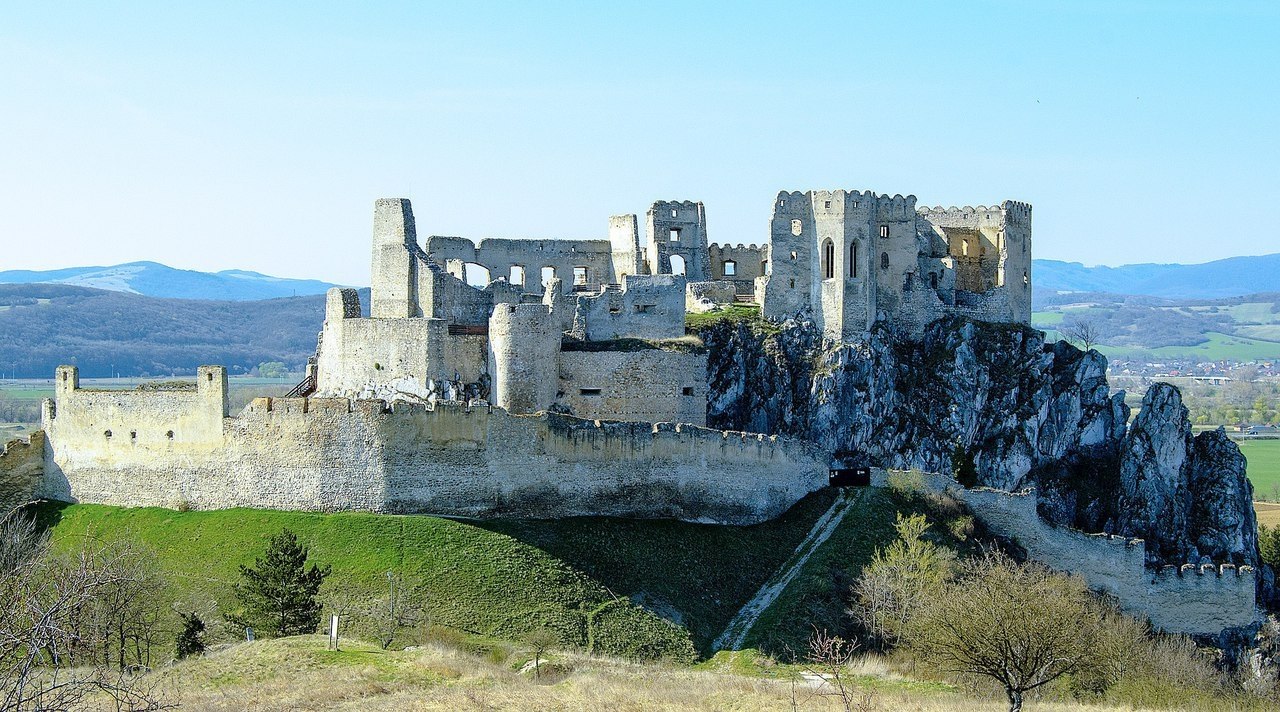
<point x="998" y="407"/>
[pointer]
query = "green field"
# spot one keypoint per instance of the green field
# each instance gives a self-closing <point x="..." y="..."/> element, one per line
<point x="1264" y="467"/>
<point x="1218" y="347"/>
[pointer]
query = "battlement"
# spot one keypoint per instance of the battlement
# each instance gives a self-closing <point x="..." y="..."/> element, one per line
<point x="1199" y="599"/>
<point x="739" y="246"/>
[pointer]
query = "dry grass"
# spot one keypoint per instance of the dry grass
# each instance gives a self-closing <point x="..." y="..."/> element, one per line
<point x="299" y="674"/>
<point x="1268" y="513"/>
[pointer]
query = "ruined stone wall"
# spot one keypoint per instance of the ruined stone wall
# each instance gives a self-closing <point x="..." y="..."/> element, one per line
<point x="340" y="455"/>
<point x="689" y="222"/>
<point x="748" y="263"/>
<point x="1198" y="600"/>
<point x="646" y="307"/>
<point x="628" y="252"/>
<point x="702" y="297"/>
<point x="1000" y="235"/>
<point x="650" y="385"/>
<point x="499" y="255"/>
<point x="360" y="356"/>
<point x="21" y="470"/>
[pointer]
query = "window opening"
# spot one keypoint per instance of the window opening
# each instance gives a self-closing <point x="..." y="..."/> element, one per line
<point x="579" y="276"/>
<point x="677" y="264"/>
<point x="828" y="259"/>
<point x="517" y="275"/>
<point x="730" y="268"/>
<point x="884" y="231"/>
<point x="853" y="259"/>
<point x="589" y="391"/>
<point x="884" y="260"/>
<point x="548" y="274"/>
<point x="674" y="235"/>
<point x="686" y="391"/>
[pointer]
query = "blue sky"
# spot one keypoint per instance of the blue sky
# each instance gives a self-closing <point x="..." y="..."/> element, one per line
<point x="258" y="136"/>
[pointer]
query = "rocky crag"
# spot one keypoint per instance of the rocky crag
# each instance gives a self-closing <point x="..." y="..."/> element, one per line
<point x="1000" y="408"/>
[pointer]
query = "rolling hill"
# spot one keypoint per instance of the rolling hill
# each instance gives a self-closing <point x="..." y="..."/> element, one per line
<point x="105" y="332"/>
<point x="1231" y="277"/>
<point x="156" y="280"/>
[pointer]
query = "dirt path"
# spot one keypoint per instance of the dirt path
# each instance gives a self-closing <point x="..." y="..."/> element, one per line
<point x="736" y="632"/>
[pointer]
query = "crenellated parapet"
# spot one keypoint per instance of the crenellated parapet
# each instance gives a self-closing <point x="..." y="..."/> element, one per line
<point x="472" y="459"/>
<point x="1194" y="598"/>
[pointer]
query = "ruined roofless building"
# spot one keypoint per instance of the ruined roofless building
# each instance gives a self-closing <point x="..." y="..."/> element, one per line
<point x="544" y="330"/>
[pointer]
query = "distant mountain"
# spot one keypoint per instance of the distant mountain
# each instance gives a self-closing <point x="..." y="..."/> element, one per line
<point x="105" y="332"/>
<point x="1231" y="277"/>
<point x="153" y="279"/>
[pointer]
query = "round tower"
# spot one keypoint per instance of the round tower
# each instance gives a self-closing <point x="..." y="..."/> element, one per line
<point x="524" y="351"/>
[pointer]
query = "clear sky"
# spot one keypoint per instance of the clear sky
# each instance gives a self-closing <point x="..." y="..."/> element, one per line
<point x="257" y="136"/>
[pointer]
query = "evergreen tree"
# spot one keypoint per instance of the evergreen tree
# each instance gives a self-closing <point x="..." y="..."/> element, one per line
<point x="191" y="639"/>
<point x="278" y="593"/>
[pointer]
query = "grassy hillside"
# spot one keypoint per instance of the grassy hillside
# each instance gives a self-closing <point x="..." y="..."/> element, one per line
<point x="473" y="579"/>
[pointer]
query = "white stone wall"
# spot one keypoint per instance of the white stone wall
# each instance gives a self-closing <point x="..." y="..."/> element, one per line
<point x="340" y="455"/>
<point x="646" y="307"/>
<point x="650" y="385"/>
<point x="1189" y="599"/>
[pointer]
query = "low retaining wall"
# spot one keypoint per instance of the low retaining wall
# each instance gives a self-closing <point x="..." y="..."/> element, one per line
<point x="1198" y="600"/>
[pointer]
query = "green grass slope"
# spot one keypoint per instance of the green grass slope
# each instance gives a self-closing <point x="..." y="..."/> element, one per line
<point x="501" y="578"/>
<point x="473" y="579"/>
<point x="1264" y="467"/>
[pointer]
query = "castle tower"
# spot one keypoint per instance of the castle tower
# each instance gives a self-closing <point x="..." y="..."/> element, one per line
<point x="628" y="257"/>
<point x="211" y="384"/>
<point x="678" y="239"/>
<point x="1015" y="258"/>
<point x="792" y="264"/>
<point x="524" y="350"/>
<point x="394" y="290"/>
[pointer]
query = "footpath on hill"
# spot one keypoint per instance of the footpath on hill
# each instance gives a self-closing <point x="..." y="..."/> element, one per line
<point x="736" y="632"/>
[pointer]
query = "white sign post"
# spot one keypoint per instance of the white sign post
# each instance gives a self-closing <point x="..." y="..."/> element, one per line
<point x="333" y="632"/>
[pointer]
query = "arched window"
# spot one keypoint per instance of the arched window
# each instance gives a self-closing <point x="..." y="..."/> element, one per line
<point x="476" y="275"/>
<point x="677" y="264"/>
<point x="853" y="259"/>
<point x="884" y="260"/>
<point x="828" y="259"/>
<point x="548" y="274"/>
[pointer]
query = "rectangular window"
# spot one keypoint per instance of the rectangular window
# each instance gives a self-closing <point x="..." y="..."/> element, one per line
<point x="827" y="204"/>
<point x="730" y="268"/>
<point x="674" y="235"/>
<point x="686" y="391"/>
<point x="588" y="391"/>
<point x="579" y="275"/>
<point x="642" y="308"/>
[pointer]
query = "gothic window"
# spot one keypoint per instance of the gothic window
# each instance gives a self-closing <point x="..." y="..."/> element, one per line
<point x="853" y="259"/>
<point x="884" y="260"/>
<point x="884" y="231"/>
<point x="828" y="259"/>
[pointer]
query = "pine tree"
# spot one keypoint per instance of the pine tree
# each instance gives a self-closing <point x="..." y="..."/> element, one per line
<point x="278" y="594"/>
<point x="191" y="639"/>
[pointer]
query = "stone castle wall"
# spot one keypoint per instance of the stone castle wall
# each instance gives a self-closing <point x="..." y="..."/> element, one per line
<point x="1197" y="600"/>
<point x="21" y="469"/>
<point x="336" y="454"/>
<point x="645" y="386"/>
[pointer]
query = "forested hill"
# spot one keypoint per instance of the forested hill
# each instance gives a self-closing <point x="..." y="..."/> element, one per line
<point x="44" y="325"/>
<point x="1231" y="277"/>
<point x="156" y="280"/>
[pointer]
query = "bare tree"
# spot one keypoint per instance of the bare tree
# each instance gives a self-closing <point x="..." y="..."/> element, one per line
<point x="828" y="663"/>
<point x="541" y="640"/>
<point x="1082" y="331"/>
<point x="1021" y="625"/>
<point x="49" y="650"/>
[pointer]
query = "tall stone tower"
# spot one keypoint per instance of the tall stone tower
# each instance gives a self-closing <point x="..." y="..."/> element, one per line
<point x="394" y="290"/>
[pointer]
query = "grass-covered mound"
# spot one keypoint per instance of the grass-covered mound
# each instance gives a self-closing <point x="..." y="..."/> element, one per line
<point x="470" y="578"/>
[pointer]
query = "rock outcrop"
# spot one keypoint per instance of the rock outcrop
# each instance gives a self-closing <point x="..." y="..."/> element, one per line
<point x="998" y="407"/>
